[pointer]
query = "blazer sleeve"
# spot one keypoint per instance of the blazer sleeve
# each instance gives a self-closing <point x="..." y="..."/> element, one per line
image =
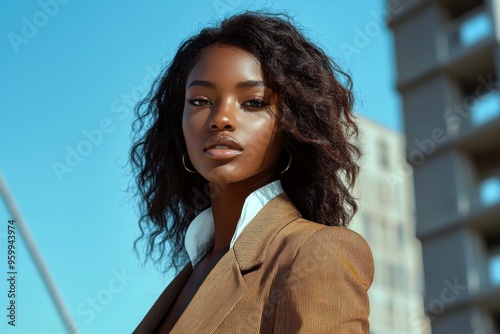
<point x="326" y="290"/>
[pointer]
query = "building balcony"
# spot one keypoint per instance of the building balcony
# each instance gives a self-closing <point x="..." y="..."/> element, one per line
<point x="467" y="31"/>
<point x="435" y="40"/>
<point x="476" y="117"/>
<point x="485" y="108"/>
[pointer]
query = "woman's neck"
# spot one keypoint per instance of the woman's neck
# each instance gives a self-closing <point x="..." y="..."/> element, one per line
<point x="227" y="202"/>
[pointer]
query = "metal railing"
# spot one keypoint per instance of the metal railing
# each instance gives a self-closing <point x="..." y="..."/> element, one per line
<point x="37" y="258"/>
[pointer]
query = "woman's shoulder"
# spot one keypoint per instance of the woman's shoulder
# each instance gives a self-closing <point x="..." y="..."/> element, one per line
<point x="329" y="246"/>
<point x="334" y="236"/>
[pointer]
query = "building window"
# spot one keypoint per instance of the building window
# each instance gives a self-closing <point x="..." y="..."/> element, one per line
<point x="383" y="232"/>
<point x="398" y="278"/>
<point x="489" y="190"/>
<point x="486" y="166"/>
<point x="485" y="108"/>
<point x="479" y="101"/>
<point x="401" y="235"/>
<point x="494" y="267"/>
<point x="492" y="243"/>
<point x="475" y="28"/>
<point x="469" y="23"/>
<point x="383" y="155"/>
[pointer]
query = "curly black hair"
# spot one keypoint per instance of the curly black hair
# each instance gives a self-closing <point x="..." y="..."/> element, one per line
<point x="315" y="100"/>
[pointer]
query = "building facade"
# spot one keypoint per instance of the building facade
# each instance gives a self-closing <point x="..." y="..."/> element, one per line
<point x="448" y="63"/>
<point x="386" y="219"/>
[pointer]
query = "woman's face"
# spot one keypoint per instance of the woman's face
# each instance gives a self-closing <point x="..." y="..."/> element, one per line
<point x="230" y="118"/>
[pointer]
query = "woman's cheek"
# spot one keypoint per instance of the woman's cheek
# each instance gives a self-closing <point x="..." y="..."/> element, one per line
<point x="251" y="155"/>
<point x="262" y="136"/>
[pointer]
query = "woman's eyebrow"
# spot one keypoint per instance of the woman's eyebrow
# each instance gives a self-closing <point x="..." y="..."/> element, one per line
<point x="202" y="83"/>
<point x="251" y="83"/>
<point x="239" y="85"/>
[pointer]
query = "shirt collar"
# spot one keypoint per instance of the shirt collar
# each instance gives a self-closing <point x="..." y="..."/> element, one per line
<point x="201" y="232"/>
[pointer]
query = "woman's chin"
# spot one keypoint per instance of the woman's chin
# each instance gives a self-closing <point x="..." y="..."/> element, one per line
<point x="222" y="175"/>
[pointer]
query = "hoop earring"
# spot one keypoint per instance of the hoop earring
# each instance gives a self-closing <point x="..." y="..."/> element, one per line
<point x="184" y="164"/>
<point x="289" y="163"/>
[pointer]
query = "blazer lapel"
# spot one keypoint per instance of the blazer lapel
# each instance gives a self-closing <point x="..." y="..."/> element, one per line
<point x="251" y="247"/>
<point x="217" y="295"/>
<point x="225" y="285"/>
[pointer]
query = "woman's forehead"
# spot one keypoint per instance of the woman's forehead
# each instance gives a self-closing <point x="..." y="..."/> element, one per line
<point x="226" y="63"/>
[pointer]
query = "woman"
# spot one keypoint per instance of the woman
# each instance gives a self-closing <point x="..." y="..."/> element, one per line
<point x="244" y="165"/>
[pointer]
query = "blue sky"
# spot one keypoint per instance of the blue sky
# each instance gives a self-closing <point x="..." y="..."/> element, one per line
<point x="71" y="73"/>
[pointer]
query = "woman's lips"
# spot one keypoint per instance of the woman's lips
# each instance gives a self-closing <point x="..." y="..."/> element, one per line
<point x="222" y="147"/>
<point x="222" y="152"/>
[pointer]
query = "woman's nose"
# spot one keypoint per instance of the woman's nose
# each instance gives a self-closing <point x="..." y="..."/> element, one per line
<point x="224" y="116"/>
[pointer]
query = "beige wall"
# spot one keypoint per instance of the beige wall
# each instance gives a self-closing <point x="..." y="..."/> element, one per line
<point x="386" y="219"/>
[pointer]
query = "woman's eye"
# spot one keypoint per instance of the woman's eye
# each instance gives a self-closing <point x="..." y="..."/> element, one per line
<point x="255" y="103"/>
<point x="198" y="102"/>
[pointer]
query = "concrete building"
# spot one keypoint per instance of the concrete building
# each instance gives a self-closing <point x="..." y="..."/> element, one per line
<point x="448" y="65"/>
<point x="386" y="219"/>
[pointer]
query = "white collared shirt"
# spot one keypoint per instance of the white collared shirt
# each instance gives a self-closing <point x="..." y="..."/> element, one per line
<point x="201" y="232"/>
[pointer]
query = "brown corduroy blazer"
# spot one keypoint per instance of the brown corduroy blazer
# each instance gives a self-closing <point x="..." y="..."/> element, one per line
<point x="284" y="274"/>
